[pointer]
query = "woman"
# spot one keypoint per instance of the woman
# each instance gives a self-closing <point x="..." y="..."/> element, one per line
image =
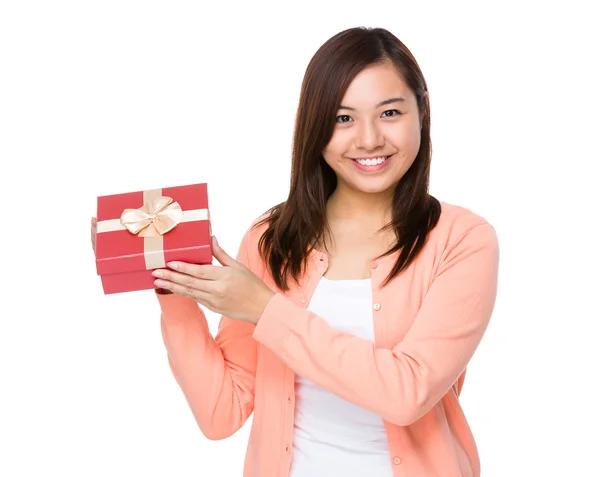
<point x="353" y="308"/>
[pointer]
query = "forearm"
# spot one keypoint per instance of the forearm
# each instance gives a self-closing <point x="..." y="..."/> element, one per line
<point x="403" y="383"/>
<point x="219" y="400"/>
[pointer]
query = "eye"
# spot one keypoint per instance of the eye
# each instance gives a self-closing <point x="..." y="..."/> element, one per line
<point x="391" y="113"/>
<point x="344" y="118"/>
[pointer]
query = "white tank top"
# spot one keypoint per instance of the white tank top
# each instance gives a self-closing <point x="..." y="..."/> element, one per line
<point x="333" y="437"/>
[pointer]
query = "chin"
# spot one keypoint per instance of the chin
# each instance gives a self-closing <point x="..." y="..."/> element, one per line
<point x="372" y="188"/>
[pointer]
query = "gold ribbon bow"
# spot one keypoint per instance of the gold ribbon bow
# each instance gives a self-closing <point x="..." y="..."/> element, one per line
<point x="157" y="217"/>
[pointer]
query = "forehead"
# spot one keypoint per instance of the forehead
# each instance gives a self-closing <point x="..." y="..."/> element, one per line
<point x="376" y="83"/>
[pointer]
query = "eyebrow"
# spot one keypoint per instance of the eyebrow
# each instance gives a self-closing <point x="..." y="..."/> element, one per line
<point x="399" y="99"/>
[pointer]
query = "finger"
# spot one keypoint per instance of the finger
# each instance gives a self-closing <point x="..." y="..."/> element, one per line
<point x="183" y="279"/>
<point x="205" y="272"/>
<point x="183" y="290"/>
<point x="220" y="254"/>
<point x="93" y="233"/>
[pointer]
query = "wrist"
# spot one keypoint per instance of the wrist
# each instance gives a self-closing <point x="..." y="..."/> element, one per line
<point x="262" y="303"/>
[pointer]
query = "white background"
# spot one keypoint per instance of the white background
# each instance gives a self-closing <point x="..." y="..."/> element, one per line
<point x="116" y="96"/>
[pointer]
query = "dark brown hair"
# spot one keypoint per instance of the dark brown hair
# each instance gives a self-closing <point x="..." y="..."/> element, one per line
<point x="296" y="225"/>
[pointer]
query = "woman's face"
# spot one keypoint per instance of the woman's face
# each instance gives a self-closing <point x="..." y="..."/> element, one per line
<point x="377" y="132"/>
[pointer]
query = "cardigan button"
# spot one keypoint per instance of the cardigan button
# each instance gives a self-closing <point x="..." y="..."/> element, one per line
<point x="373" y="264"/>
<point x="376" y="306"/>
<point x="397" y="460"/>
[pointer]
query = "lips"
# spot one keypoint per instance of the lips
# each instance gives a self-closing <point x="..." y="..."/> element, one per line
<point x="372" y="164"/>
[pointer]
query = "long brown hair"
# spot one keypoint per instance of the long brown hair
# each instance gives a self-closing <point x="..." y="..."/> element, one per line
<point x="296" y="225"/>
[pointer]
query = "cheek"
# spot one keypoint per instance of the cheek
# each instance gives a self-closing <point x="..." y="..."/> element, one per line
<point x="334" y="151"/>
<point x="408" y="138"/>
<point x="416" y="136"/>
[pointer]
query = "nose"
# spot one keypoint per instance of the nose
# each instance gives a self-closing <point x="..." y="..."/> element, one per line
<point x="368" y="136"/>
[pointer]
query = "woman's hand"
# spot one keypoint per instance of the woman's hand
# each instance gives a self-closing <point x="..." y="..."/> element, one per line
<point x="93" y="231"/>
<point x="231" y="290"/>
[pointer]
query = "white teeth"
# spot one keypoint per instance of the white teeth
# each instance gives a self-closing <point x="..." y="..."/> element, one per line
<point x="371" y="162"/>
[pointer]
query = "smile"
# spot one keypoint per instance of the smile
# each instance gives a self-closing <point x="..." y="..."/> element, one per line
<point x="371" y="164"/>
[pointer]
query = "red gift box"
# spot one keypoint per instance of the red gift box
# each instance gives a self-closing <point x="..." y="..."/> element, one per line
<point x="138" y="232"/>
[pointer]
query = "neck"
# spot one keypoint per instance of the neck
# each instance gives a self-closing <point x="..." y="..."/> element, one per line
<point x="349" y="204"/>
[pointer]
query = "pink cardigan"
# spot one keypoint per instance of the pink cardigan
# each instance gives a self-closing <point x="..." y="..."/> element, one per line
<point x="428" y="323"/>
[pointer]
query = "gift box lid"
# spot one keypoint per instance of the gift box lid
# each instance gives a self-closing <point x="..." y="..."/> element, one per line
<point x="144" y="230"/>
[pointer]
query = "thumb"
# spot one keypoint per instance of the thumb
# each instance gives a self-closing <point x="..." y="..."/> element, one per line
<point x="220" y="254"/>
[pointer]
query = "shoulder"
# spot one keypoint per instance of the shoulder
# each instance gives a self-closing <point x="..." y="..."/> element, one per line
<point x="249" y="245"/>
<point x="460" y="218"/>
<point x="257" y="228"/>
<point x="457" y="222"/>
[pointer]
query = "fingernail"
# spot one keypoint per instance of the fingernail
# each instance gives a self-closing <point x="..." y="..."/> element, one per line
<point x="160" y="283"/>
<point x="158" y="273"/>
<point x="173" y="265"/>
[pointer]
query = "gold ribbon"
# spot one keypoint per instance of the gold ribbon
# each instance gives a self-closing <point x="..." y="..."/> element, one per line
<point x="155" y="218"/>
<point x="158" y="216"/>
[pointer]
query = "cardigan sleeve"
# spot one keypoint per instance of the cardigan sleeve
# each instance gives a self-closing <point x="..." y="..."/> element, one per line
<point x="216" y="375"/>
<point x="403" y="383"/>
